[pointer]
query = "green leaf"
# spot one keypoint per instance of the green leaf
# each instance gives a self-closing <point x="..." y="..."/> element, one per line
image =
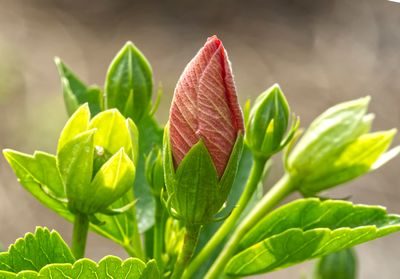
<point x="35" y="251"/>
<point x="108" y="267"/>
<point x="30" y="172"/>
<point x="150" y="134"/>
<point x="342" y="264"/>
<point x="75" y="163"/>
<point x="76" y="92"/>
<point x="129" y="84"/>
<point x="151" y="271"/>
<point x="307" y="229"/>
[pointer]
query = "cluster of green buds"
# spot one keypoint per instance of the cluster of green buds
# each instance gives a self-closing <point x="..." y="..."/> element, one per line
<point x="267" y="124"/>
<point x="94" y="165"/>
<point x="338" y="147"/>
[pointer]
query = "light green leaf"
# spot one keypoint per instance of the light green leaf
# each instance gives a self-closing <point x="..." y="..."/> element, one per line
<point x="342" y="264"/>
<point x="129" y="84"/>
<point x="76" y="124"/>
<point x="307" y="229"/>
<point x="31" y="173"/>
<point x="108" y="267"/>
<point x="35" y="251"/>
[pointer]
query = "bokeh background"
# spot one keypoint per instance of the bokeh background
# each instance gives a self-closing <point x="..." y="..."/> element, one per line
<point x="320" y="52"/>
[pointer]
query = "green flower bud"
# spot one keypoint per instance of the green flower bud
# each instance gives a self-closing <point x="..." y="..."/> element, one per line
<point x="337" y="148"/>
<point x="129" y="83"/>
<point x="96" y="159"/>
<point x="268" y="122"/>
<point x="154" y="171"/>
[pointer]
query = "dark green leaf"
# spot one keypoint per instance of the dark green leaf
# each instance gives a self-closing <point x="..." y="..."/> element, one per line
<point x="306" y="229"/>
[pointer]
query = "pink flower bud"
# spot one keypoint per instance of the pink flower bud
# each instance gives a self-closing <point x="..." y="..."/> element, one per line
<point x="205" y="106"/>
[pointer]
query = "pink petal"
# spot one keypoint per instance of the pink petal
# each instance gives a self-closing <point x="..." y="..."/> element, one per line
<point x="205" y="106"/>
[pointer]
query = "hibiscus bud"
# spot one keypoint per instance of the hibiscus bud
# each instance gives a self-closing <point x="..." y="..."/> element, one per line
<point x="338" y="147"/>
<point x="204" y="141"/>
<point x="268" y="122"/>
<point x="96" y="159"/>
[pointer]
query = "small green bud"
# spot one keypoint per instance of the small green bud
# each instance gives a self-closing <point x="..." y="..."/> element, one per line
<point x="342" y="264"/>
<point x="96" y="159"/>
<point x="129" y="83"/>
<point x="268" y="122"/>
<point x="337" y="148"/>
<point x="154" y="171"/>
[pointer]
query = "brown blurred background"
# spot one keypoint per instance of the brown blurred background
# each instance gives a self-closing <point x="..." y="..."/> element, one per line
<point x="320" y="52"/>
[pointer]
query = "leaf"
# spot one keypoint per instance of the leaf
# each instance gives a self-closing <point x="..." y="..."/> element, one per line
<point x="35" y="251"/>
<point x="307" y="229"/>
<point x="129" y="84"/>
<point x="150" y="134"/>
<point x="76" y="92"/>
<point x="342" y="264"/>
<point x="151" y="271"/>
<point x="108" y="267"/>
<point x="31" y="175"/>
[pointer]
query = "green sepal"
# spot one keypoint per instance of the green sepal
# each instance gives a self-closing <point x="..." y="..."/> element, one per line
<point x="327" y="135"/>
<point x="129" y="83"/>
<point x="134" y="133"/>
<point x="231" y="169"/>
<point x="76" y="124"/>
<point x="112" y="132"/>
<point x="356" y="159"/>
<point x="120" y="210"/>
<point x="195" y="192"/>
<point x="75" y="163"/>
<point x="111" y="182"/>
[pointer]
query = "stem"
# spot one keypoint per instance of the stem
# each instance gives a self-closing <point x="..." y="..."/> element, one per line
<point x="158" y="234"/>
<point x="189" y="245"/>
<point x="255" y="176"/>
<point x="79" y="235"/>
<point x="280" y="190"/>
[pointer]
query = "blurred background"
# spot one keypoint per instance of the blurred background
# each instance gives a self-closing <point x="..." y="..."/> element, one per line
<point x="320" y="52"/>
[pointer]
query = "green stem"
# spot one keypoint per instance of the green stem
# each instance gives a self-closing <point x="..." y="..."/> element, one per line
<point x="79" y="235"/>
<point x="277" y="193"/>
<point x="255" y="177"/>
<point x="158" y="234"/>
<point x="189" y="245"/>
<point x="134" y="248"/>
